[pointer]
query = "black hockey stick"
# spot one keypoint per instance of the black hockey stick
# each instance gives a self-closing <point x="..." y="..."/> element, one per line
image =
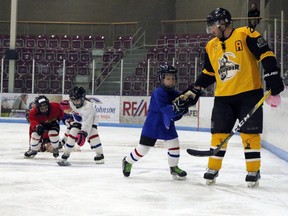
<point x="204" y="153"/>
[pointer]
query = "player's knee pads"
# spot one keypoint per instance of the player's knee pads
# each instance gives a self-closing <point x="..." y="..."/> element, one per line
<point x="71" y="138"/>
<point x="55" y="128"/>
<point x="174" y="143"/>
<point x="251" y="141"/>
<point x="54" y="138"/>
<point x="93" y="136"/>
<point x="142" y="149"/>
<point x="217" y="138"/>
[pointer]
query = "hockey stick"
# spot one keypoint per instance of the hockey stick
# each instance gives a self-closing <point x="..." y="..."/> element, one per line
<point x="204" y="153"/>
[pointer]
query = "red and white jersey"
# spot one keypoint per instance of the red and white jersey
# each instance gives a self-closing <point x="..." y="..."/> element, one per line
<point x="85" y="115"/>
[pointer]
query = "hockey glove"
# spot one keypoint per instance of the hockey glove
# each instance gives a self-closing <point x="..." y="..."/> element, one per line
<point x="81" y="138"/>
<point x="274" y="82"/>
<point x="40" y="129"/>
<point x="186" y="99"/>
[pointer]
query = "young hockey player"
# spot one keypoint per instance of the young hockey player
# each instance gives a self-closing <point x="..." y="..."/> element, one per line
<point x="159" y="124"/>
<point x="44" y="117"/>
<point x="231" y="60"/>
<point x="84" y="126"/>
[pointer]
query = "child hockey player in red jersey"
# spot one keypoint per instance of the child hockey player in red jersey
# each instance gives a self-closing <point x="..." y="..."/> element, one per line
<point x="159" y="124"/>
<point x="44" y="120"/>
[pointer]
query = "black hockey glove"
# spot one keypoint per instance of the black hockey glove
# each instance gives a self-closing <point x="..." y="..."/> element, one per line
<point x="188" y="98"/>
<point x="274" y="82"/>
<point x="179" y="111"/>
<point x="81" y="138"/>
<point x="40" y="129"/>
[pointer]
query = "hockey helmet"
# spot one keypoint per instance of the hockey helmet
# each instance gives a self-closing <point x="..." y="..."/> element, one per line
<point x="42" y="104"/>
<point x="77" y="96"/>
<point x="164" y="70"/>
<point x="217" y="15"/>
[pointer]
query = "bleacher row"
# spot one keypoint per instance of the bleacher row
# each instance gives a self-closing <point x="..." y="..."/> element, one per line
<point x="172" y="49"/>
<point x="49" y="53"/>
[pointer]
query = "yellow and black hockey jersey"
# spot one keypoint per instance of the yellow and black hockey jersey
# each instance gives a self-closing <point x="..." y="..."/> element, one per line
<point x="234" y="62"/>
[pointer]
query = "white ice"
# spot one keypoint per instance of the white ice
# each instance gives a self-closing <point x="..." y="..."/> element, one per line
<point x="30" y="187"/>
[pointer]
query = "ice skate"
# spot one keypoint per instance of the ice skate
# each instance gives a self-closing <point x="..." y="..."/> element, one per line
<point x="210" y="176"/>
<point x="126" y="167"/>
<point x="64" y="161"/>
<point x="99" y="159"/>
<point x="252" y="179"/>
<point x="55" y="152"/>
<point x="177" y="173"/>
<point x="30" y="153"/>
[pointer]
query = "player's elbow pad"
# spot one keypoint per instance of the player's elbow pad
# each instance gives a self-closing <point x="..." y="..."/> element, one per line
<point x="204" y="80"/>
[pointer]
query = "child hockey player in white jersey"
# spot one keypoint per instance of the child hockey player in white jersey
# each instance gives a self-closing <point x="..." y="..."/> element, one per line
<point x="84" y="126"/>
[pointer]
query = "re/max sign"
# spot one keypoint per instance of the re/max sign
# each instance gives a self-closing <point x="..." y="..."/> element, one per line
<point x="133" y="108"/>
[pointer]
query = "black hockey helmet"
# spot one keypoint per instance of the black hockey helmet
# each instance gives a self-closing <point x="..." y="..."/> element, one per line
<point x="217" y="15"/>
<point x="163" y="70"/>
<point x="42" y="104"/>
<point x="77" y="93"/>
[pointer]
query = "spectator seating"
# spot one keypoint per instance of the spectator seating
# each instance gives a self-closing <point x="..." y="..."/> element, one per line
<point x="99" y="42"/>
<point x="65" y="42"/>
<point x="53" y="42"/>
<point x="173" y="49"/>
<point x="30" y="41"/>
<point x="41" y="41"/>
<point x="88" y="42"/>
<point x="20" y="41"/>
<point x="76" y="42"/>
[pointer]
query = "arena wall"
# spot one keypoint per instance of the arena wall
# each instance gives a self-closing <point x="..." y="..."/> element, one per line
<point x="131" y="111"/>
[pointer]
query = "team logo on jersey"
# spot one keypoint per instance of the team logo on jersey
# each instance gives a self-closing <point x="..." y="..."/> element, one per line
<point x="227" y="68"/>
<point x="261" y="42"/>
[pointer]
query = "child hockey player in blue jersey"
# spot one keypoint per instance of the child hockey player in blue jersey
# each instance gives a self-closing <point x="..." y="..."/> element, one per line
<point x="159" y="124"/>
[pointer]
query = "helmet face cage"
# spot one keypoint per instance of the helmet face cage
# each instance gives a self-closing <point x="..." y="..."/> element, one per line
<point x="42" y="104"/>
<point x="77" y="96"/>
<point x="164" y="70"/>
<point x="215" y="17"/>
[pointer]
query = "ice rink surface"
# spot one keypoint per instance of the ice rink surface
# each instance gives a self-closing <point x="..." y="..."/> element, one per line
<point x="30" y="187"/>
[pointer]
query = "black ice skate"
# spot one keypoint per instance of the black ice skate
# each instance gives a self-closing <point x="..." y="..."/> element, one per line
<point x="64" y="161"/>
<point x="99" y="159"/>
<point x="55" y="152"/>
<point x="126" y="167"/>
<point x="252" y="179"/>
<point x="210" y="176"/>
<point x="30" y="153"/>
<point x="177" y="173"/>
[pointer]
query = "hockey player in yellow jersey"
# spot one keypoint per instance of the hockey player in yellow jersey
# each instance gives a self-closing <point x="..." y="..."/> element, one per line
<point x="231" y="61"/>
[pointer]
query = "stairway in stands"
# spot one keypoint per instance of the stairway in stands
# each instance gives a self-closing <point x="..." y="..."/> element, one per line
<point x="111" y="86"/>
